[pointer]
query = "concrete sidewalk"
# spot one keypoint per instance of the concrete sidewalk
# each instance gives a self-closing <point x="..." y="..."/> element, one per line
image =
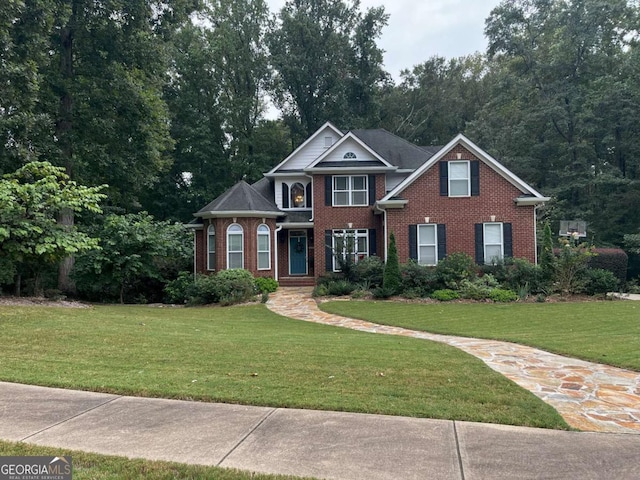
<point x="330" y="445"/>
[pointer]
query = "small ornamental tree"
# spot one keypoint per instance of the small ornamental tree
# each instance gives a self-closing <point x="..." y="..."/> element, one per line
<point x="392" y="279"/>
<point x="547" y="257"/>
<point x="30" y="200"/>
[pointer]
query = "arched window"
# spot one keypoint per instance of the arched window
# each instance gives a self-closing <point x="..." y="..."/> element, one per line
<point x="349" y="156"/>
<point x="211" y="248"/>
<point x="235" y="246"/>
<point x="297" y="195"/>
<point x="264" y="248"/>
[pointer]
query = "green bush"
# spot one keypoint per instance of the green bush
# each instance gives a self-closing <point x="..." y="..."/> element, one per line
<point x="266" y="284"/>
<point x="381" y="293"/>
<point x="600" y="281"/>
<point x="181" y="289"/>
<point x="340" y="287"/>
<point x="234" y="286"/>
<point x="503" y="296"/>
<point x="479" y="288"/>
<point x="320" y="290"/>
<point x="369" y="271"/>
<point x="417" y="280"/>
<point x="614" y="260"/>
<point x="520" y="275"/>
<point x="445" y="295"/>
<point x="391" y="279"/>
<point x="454" y="268"/>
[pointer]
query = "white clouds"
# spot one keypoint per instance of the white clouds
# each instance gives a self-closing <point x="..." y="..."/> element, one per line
<point x="418" y="30"/>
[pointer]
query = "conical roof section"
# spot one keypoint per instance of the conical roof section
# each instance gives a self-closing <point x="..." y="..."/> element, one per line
<point x="242" y="197"/>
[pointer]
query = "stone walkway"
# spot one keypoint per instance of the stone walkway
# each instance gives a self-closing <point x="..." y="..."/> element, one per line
<point x="589" y="396"/>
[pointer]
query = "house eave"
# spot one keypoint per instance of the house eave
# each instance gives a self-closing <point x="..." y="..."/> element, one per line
<point x="527" y="201"/>
<point x="389" y="204"/>
<point x="338" y="170"/>
<point x="240" y="214"/>
<point x="291" y="225"/>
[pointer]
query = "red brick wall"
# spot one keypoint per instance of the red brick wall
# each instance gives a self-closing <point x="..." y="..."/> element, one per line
<point x="461" y="214"/>
<point x="329" y="218"/>
<point x="250" y="226"/>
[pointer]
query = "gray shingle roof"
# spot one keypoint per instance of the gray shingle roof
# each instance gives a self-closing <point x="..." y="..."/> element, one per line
<point x="242" y="197"/>
<point x="395" y="150"/>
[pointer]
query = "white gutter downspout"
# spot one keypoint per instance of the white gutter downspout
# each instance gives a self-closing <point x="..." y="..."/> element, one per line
<point x="275" y="251"/>
<point x="535" y="231"/>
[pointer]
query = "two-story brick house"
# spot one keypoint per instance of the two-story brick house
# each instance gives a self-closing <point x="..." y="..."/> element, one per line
<point x="344" y="193"/>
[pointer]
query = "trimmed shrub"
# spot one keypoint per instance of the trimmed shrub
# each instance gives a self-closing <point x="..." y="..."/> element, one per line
<point x="381" y="293"/>
<point x="266" y="285"/>
<point x="478" y="288"/>
<point x="418" y="280"/>
<point x="503" y="296"/>
<point x="391" y="277"/>
<point x="234" y="286"/>
<point x="340" y="287"/>
<point x="181" y="289"/>
<point x="369" y="271"/>
<point x="320" y="290"/>
<point x="522" y="275"/>
<point x="454" y="268"/>
<point x="445" y="295"/>
<point x="615" y="260"/>
<point x="600" y="281"/>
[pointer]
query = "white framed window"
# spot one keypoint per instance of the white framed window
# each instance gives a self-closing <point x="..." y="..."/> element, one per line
<point x="428" y="244"/>
<point x="211" y="248"/>
<point x="493" y="243"/>
<point x="264" y="247"/>
<point x="349" y="156"/>
<point x="459" y="179"/>
<point x="297" y="194"/>
<point x="352" y="244"/>
<point x="350" y="190"/>
<point x="235" y="246"/>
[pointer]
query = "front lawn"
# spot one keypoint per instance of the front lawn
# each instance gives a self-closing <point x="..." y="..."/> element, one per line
<point x="249" y="355"/>
<point x="604" y="332"/>
<point x="92" y="466"/>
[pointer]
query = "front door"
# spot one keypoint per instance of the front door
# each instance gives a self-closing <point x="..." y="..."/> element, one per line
<point x="297" y="252"/>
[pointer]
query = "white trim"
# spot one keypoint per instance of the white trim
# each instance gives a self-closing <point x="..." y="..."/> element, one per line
<point x="306" y="253"/>
<point x="258" y="251"/>
<point x="467" y="179"/>
<point x="487" y="261"/>
<point x="395" y="203"/>
<point x="529" y="201"/>
<point x="346" y="137"/>
<point x="209" y="252"/>
<point x="350" y="191"/>
<point x="434" y="245"/>
<point x="478" y="152"/>
<point x="241" y="233"/>
<point x="304" y="144"/>
<point x="345" y="233"/>
<point x="352" y="170"/>
<point x="238" y="214"/>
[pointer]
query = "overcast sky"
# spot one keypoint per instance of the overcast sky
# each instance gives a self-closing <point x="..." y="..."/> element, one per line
<point x="420" y="29"/>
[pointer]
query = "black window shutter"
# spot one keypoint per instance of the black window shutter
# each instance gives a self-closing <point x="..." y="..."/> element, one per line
<point x="372" y="189"/>
<point x="475" y="178"/>
<point x="373" y="246"/>
<point x="328" y="250"/>
<point x="444" y="179"/>
<point x="479" y="243"/>
<point x="413" y="242"/>
<point x="442" y="241"/>
<point x="507" y="233"/>
<point x="328" y="187"/>
<point x="309" y="195"/>
<point x="285" y="195"/>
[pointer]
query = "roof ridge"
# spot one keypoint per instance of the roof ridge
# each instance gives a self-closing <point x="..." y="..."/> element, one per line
<point x="404" y="140"/>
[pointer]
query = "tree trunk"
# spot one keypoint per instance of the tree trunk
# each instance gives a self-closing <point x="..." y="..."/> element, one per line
<point x="63" y="133"/>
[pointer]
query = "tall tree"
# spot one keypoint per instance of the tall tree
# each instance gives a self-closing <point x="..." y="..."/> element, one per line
<point x="327" y="64"/>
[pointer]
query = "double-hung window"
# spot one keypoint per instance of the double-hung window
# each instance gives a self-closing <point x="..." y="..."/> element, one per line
<point x="235" y="246"/>
<point x="211" y="248"/>
<point x="350" y="245"/>
<point x="459" y="179"/>
<point x="493" y="243"/>
<point x="264" y="248"/>
<point x="350" y="190"/>
<point x="427" y="244"/>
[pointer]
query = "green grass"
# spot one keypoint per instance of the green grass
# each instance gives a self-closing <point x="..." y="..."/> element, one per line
<point x="97" y="467"/>
<point x="249" y="355"/>
<point x="605" y="332"/>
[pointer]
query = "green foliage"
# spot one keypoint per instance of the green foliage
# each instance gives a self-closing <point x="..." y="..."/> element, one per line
<point x="370" y="271"/>
<point x="340" y="287"/>
<point x="392" y="279"/>
<point x="233" y="286"/>
<point x="445" y="295"/>
<point x="382" y="293"/>
<point x="613" y="259"/>
<point x="600" y="281"/>
<point x="520" y="275"/>
<point x="181" y="289"/>
<point x="478" y="288"/>
<point x="547" y="257"/>
<point x="320" y="290"/>
<point x="571" y="265"/>
<point x="454" y="268"/>
<point x="418" y="280"/>
<point x="266" y="284"/>
<point x="30" y="201"/>
<point x="501" y="295"/>
<point x="136" y="252"/>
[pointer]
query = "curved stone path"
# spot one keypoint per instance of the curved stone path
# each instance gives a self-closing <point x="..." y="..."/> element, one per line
<point x="589" y="396"/>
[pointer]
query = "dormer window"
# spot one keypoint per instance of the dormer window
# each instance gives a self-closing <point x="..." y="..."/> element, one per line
<point x="328" y="141"/>
<point x="297" y="195"/>
<point x="349" y="156"/>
